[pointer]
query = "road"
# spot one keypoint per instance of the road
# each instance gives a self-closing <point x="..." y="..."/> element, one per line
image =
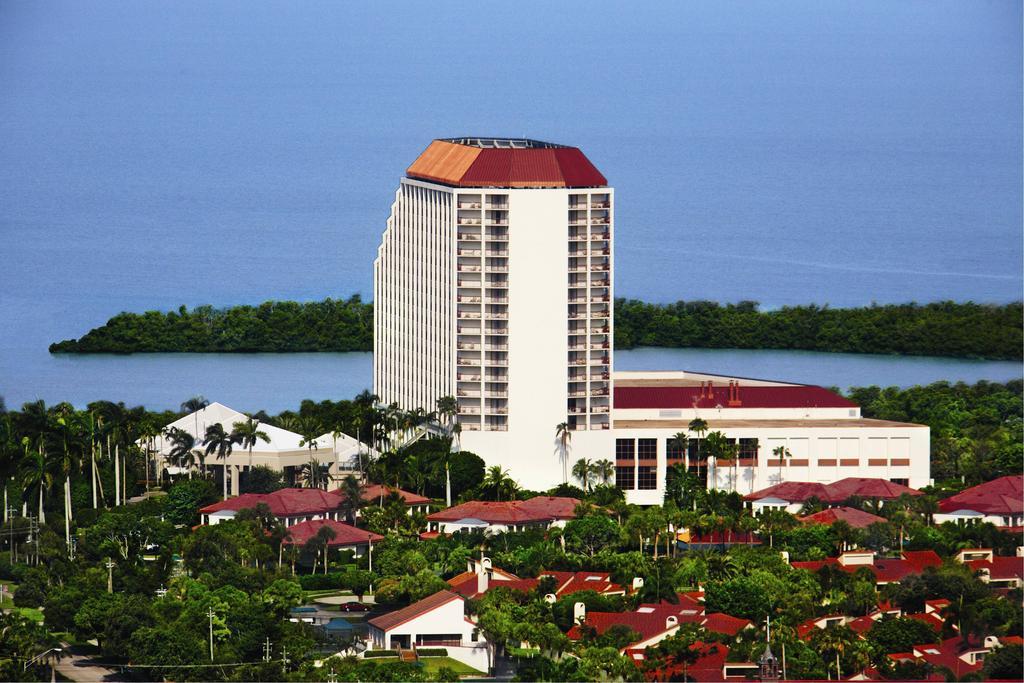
<point x="78" y="667"/>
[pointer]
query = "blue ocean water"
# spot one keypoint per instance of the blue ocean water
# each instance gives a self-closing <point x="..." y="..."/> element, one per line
<point x="166" y="153"/>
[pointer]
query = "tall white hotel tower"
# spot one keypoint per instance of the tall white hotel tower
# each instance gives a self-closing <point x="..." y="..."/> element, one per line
<point x="493" y="283"/>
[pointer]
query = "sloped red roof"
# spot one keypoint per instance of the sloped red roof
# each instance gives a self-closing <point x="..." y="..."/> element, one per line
<point x="283" y="503"/>
<point x="372" y="494"/>
<point x="388" y="621"/>
<point x="858" y="519"/>
<point x="668" y="397"/>
<point x="1000" y="568"/>
<point x="344" y="534"/>
<point x="463" y="163"/>
<point x="1003" y="496"/>
<point x="945" y="654"/>
<point x="886" y="570"/>
<point x="836" y="492"/>
<point x="537" y="509"/>
<point x="718" y="622"/>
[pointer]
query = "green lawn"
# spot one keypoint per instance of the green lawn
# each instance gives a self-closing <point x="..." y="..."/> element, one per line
<point x="432" y="664"/>
<point x="32" y="613"/>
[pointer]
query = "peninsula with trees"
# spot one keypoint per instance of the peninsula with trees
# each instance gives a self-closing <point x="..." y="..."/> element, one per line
<point x="950" y="329"/>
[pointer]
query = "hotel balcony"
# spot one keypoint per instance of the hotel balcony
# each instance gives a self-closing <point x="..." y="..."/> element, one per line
<point x="496" y="268"/>
<point x="600" y="237"/>
<point x="469" y="410"/>
<point x="600" y="205"/>
<point x="496" y="284"/>
<point x="468" y="221"/>
<point x="469" y="205"/>
<point x="599" y="392"/>
<point x="600" y="298"/>
<point x="465" y="392"/>
<point x="495" y="315"/>
<point x="496" y="411"/>
<point x="597" y="267"/>
<point x="468" y="346"/>
<point x="496" y="347"/>
<point x="497" y="206"/>
<point x="468" y="362"/>
<point x="495" y="393"/>
<point x="468" y="315"/>
<point x="496" y="375"/>
<point x="497" y="299"/>
<point x="468" y="252"/>
<point x="462" y="268"/>
<point x="469" y="236"/>
<point x="600" y="220"/>
<point x="497" y="331"/>
<point x="497" y="252"/>
<point x="600" y="282"/>
<point x="577" y="221"/>
<point x="466" y="377"/>
<point x="469" y="299"/>
<point x="461" y="329"/>
<point x="497" y="221"/>
<point x="577" y="236"/>
<point x="497" y="236"/>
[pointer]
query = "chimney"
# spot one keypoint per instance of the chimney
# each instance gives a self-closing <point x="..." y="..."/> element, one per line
<point x="1020" y="551"/>
<point x="671" y="620"/>
<point x="483" y="575"/>
<point x="579" y="613"/>
<point x="638" y="583"/>
<point x="550" y="598"/>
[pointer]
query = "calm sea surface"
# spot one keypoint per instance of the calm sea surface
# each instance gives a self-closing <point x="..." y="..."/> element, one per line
<point x="157" y="154"/>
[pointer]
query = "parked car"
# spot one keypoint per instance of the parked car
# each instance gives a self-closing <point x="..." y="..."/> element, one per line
<point x="355" y="607"/>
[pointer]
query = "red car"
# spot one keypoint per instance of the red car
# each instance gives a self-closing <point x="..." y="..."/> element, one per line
<point x="355" y="607"/>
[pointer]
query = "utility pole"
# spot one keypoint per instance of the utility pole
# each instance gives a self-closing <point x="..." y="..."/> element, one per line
<point x="110" y="575"/>
<point x="266" y="651"/>
<point x="209" y="614"/>
<point x="284" y="657"/>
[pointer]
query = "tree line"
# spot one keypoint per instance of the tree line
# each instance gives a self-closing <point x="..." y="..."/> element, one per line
<point x="959" y="330"/>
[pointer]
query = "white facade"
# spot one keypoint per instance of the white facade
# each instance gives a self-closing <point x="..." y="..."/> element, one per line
<point x="501" y="297"/>
<point x="445" y="625"/>
<point x="825" y="444"/>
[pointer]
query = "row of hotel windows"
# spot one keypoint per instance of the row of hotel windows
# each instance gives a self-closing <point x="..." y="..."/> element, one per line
<point x="647" y="449"/>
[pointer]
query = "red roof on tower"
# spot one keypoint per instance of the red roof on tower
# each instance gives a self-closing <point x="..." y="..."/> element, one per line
<point x="504" y="162"/>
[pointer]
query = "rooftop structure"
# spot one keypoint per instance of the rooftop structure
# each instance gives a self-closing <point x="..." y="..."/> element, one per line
<point x="481" y="577"/>
<point x="1000" y="502"/>
<point x="886" y="570"/>
<point x="512" y="515"/>
<point x="290" y="505"/>
<point x="791" y="495"/>
<point x="858" y="519"/>
<point x="345" y="535"/>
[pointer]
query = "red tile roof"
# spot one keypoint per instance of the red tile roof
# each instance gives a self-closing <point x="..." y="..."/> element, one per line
<point x="462" y="164"/>
<point x="858" y="519"/>
<point x="372" y="494"/>
<point x="1003" y="496"/>
<point x="388" y="621"/>
<point x="344" y="534"/>
<point x="283" y="503"/>
<point x="836" y="492"/>
<point x="886" y="570"/>
<point x="718" y="622"/>
<point x="1000" y="568"/>
<point x="668" y="397"/>
<point x="945" y="654"/>
<point x="537" y="509"/>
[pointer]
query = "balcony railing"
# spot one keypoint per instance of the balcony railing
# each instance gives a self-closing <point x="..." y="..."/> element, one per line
<point x="496" y="411"/>
<point x="601" y="238"/>
<point x="497" y="238"/>
<point x="467" y="410"/>
<point x="468" y="299"/>
<point x="598" y="267"/>
<point x="496" y="347"/>
<point x="497" y="252"/>
<point x="467" y="346"/>
<point x="474" y="394"/>
<point x="497" y="221"/>
<point x="466" y="315"/>
<point x="469" y="236"/>
<point x="498" y="207"/>
<point x="469" y="205"/>
<point x="497" y="299"/>
<point x="497" y="269"/>
<point x="467" y="378"/>
<point x="467" y="252"/>
<point x="468" y="221"/>
<point x="577" y="221"/>
<point x="496" y="394"/>
<point x="600" y="205"/>
<point x="600" y="220"/>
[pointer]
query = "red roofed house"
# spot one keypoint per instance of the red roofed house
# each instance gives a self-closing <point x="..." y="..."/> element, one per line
<point x="346" y="537"/>
<point x="480" y="576"/>
<point x="858" y="519"/>
<point x="498" y="517"/>
<point x="374" y="493"/>
<point x="791" y="495"/>
<point x="438" y="620"/>
<point x="953" y="654"/>
<point x="291" y="506"/>
<point x="655" y="623"/>
<point x="998" y="572"/>
<point x="1000" y="502"/>
<point x="711" y="664"/>
<point x="886" y="570"/>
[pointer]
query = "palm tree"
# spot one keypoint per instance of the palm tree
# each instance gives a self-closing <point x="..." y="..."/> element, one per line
<point x="681" y="442"/>
<point x="781" y="452"/>
<point x="182" y="444"/>
<point x="564" y="435"/>
<point x="351" y="498"/>
<point x="36" y="471"/>
<point x="69" y="428"/>
<point x="447" y="409"/>
<point x="246" y="434"/>
<point x="310" y="429"/>
<point x="581" y="470"/>
<point x="700" y="428"/>
<point x="194" y="405"/>
<point x="496" y="479"/>
<point x="220" y="442"/>
<point x="604" y="470"/>
<point x="314" y="474"/>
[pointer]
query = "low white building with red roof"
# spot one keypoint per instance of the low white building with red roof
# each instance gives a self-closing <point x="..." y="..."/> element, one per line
<point x="885" y="569"/>
<point x="997" y="571"/>
<point x="1000" y="502"/>
<point x="290" y="505"/>
<point x="494" y="517"/>
<point x="481" y="576"/>
<point x="346" y="536"/>
<point x="791" y="495"/>
<point x="438" y="620"/>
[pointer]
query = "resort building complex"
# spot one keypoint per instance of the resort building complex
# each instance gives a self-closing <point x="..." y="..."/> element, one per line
<point x="494" y="284"/>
